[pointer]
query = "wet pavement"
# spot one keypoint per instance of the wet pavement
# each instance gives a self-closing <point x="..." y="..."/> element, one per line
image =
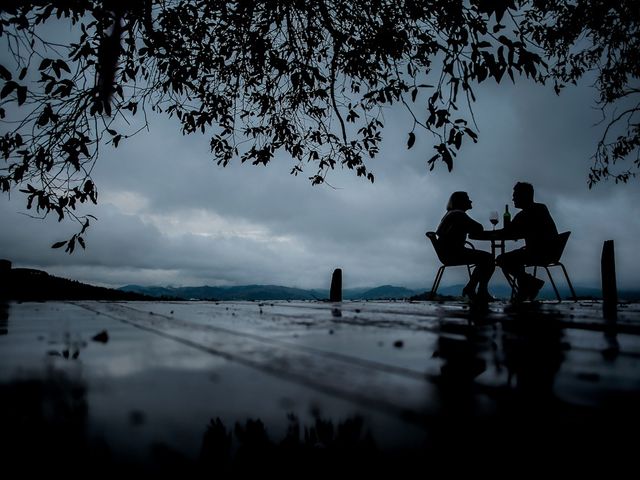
<point x="304" y="388"/>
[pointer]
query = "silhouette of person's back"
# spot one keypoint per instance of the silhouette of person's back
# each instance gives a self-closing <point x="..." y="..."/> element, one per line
<point x="452" y="235"/>
<point x="535" y="225"/>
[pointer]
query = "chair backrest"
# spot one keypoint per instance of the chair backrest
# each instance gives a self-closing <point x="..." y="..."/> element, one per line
<point x="558" y="247"/>
<point x="434" y="241"/>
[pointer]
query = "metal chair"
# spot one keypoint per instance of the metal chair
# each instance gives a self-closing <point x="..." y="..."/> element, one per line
<point x="436" y="283"/>
<point x="553" y="260"/>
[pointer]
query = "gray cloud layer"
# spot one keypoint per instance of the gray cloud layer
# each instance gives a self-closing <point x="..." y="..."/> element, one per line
<point x="169" y="215"/>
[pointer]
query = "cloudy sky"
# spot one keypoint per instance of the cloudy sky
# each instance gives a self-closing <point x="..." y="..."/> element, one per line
<point x="168" y="215"/>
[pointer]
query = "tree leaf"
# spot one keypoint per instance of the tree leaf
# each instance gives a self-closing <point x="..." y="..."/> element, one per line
<point x="44" y="64"/>
<point x="59" y="244"/>
<point x="63" y="66"/>
<point x="458" y="140"/>
<point x="432" y="161"/>
<point x="412" y="140"/>
<point x="4" y="73"/>
<point x="447" y="158"/>
<point x="22" y="94"/>
<point x="8" y="88"/>
<point x="71" y="246"/>
<point x="472" y="134"/>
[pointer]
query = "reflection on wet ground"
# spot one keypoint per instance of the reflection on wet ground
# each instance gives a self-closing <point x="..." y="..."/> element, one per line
<point x="4" y="316"/>
<point x="305" y="388"/>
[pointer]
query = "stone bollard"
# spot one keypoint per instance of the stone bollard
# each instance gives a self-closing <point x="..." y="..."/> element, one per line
<point x="335" y="295"/>
<point x="609" y="287"/>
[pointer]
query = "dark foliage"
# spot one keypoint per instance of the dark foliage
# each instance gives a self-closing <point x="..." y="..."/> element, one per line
<point x="602" y="39"/>
<point x="308" y="79"/>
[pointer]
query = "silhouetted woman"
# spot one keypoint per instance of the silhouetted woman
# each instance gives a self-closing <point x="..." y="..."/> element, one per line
<point x="452" y="234"/>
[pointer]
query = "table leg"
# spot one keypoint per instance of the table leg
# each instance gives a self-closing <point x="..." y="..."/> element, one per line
<point x="497" y="245"/>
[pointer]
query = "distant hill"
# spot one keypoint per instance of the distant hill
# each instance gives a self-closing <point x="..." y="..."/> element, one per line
<point x="268" y="292"/>
<point x="36" y="285"/>
<point x="384" y="292"/>
<point x="387" y="292"/>
<point x="244" y="292"/>
<point x="25" y="284"/>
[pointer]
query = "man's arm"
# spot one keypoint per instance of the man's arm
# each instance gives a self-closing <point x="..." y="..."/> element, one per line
<point x="517" y="228"/>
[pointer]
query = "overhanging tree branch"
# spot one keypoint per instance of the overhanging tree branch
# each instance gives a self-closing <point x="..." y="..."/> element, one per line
<point x="307" y="79"/>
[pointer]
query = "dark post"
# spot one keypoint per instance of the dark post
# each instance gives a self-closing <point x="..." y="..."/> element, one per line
<point x="336" y="286"/>
<point x="5" y="272"/>
<point x="609" y="288"/>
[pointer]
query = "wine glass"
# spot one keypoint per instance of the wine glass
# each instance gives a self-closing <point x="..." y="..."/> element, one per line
<point x="493" y="218"/>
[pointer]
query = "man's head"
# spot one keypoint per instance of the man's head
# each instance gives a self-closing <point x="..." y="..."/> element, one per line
<point x="523" y="195"/>
<point x="459" y="201"/>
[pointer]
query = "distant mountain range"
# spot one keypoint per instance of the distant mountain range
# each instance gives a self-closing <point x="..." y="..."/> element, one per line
<point x="36" y="285"/>
<point x="384" y="292"/>
<point x="268" y="292"/>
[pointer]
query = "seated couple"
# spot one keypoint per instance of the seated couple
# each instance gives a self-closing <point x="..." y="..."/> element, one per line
<point x="533" y="223"/>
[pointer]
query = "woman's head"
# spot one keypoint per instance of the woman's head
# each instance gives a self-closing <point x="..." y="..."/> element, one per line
<point x="459" y="201"/>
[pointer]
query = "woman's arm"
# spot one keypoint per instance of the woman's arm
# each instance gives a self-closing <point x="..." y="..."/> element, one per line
<point x="472" y="226"/>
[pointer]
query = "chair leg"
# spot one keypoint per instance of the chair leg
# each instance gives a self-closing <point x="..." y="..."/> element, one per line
<point x="566" y="275"/>
<point x="553" y="284"/>
<point x="436" y="281"/>
<point x="512" y="283"/>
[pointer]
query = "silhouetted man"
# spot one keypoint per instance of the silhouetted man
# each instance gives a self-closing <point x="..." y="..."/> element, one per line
<point x="535" y="225"/>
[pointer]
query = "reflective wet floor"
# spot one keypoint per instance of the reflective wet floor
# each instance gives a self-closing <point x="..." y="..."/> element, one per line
<point x="308" y="388"/>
